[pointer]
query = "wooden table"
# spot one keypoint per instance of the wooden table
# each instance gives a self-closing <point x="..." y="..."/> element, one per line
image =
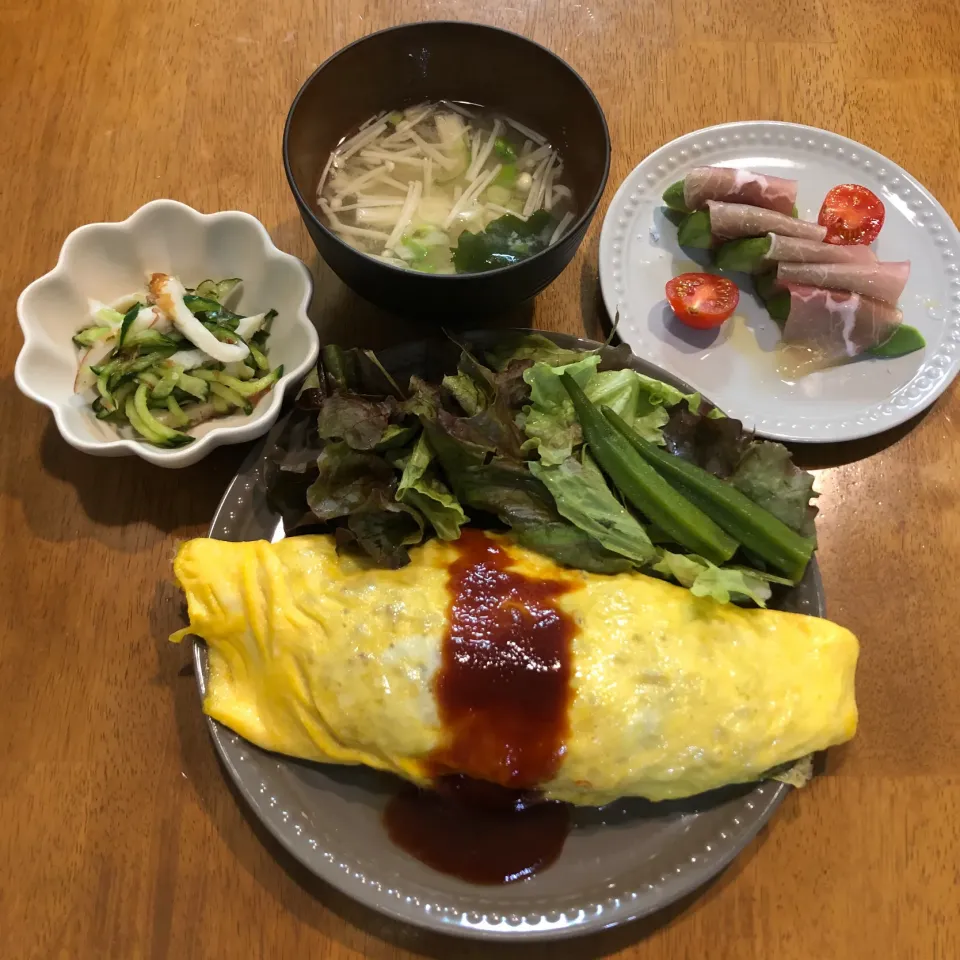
<point x="119" y="835"/>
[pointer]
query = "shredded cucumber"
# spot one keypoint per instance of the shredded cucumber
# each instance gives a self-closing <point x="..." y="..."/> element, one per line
<point x="168" y="436"/>
<point x="176" y="413"/>
<point x="165" y="384"/>
<point x="220" y="405"/>
<point x="218" y="291"/>
<point x="193" y="385"/>
<point x="231" y="396"/>
<point x="152" y="380"/>
<point x="88" y="336"/>
<point x="258" y="357"/>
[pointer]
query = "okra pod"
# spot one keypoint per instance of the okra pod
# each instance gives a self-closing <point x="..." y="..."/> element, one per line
<point x="757" y="529"/>
<point x="644" y="487"/>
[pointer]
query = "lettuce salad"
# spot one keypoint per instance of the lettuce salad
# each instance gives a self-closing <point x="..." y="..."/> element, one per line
<point x="573" y="452"/>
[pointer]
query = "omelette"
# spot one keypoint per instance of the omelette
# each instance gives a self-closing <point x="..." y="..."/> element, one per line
<point x="485" y="659"/>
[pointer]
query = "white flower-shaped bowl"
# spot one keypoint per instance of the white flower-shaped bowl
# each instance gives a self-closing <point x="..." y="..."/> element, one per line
<point x="105" y="261"/>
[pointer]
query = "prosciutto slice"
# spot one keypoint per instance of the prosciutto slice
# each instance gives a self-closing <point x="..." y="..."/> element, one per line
<point x="837" y="325"/>
<point x="738" y="186"/>
<point x="881" y="281"/>
<point x="794" y="250"/>
<point x="733" y="220"/>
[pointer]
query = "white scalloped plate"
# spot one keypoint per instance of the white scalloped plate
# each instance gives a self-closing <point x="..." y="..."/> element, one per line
<point x="107" y="260"/>
<point x="621" y="862"/>
<point x="735" y="366"/>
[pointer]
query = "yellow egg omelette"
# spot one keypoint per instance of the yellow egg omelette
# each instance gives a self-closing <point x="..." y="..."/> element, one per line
<point x="321" y="657"/>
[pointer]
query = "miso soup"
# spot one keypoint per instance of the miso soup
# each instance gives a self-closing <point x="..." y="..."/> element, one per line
<point x="446" y="188"/>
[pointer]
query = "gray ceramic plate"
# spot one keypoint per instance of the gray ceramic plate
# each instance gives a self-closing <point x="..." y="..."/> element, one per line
<point x="620" y="862"/>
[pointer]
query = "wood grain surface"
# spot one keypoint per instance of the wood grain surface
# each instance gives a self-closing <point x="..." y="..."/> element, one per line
<point x="119" y="835"/>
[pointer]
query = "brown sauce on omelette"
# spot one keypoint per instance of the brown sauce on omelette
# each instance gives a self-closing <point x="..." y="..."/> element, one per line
<point x="502" y="691"/>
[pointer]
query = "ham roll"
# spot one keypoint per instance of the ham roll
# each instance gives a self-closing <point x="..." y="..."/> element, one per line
<point x="795" y="250"/>
<point x="881" y="281"/>
<point x="839" y="325"/>
<point x="738" y="186"/>
<point x="730" y="221"/>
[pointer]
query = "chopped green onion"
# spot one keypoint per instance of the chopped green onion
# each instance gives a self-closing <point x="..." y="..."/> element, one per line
<point x="503" y="148"/>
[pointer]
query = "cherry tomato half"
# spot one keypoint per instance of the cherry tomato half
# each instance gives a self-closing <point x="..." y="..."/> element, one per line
<point x="702" y="300"/>
<point x="852" y="214"/>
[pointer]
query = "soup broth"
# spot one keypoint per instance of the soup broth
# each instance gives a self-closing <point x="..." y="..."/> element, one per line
<point x="446" y="188"/>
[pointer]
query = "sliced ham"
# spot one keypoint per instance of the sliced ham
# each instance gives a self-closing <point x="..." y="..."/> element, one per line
<point x="837" y="325"/>
<point x="734" y="220"/>
<point x="794" y="250"/>
<point x="738" y="186"/>
<point x="881" y="281"/>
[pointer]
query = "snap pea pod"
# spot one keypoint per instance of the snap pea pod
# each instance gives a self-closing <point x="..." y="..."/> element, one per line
<point x="757" y="529"/>
<point x="673" y="198"/>
<point x="694" y="231"/>
<point x="905" y="339"/>
<point x="778" y="306"/>
<point x="644" y="487"/>
<point x="746" y="255"/>
<point x="766" y="285"/>
<point x="774" y="297"/>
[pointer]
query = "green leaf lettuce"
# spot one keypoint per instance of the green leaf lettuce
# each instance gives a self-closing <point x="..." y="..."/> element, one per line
<point x="422" y="489"/>
<point x="583" y="497"/>
<point x="723" y="584"/>
<point x="551" y="424"/>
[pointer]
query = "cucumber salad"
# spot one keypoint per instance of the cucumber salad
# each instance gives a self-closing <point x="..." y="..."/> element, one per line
<point x="158" y="362"/>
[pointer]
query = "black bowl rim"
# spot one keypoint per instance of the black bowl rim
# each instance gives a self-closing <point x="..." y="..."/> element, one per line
<point x="306" y="207"/>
